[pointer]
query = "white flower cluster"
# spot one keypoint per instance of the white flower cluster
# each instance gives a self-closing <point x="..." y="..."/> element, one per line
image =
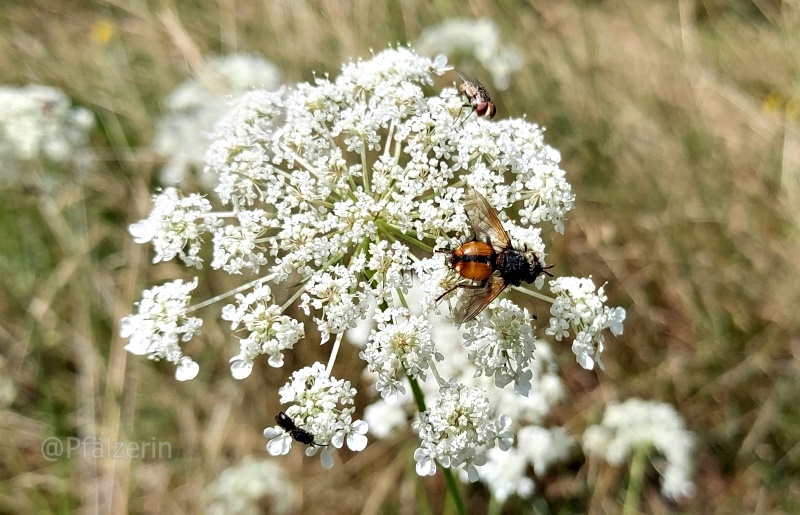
<point x="161" y="324"/>
<point x="646" y="426"/>
<point x="503" y="345"/>
<point x="323" y="406"/>
<point x="457" y="429"/>
<point x="337" y="187"/>
<point x="337" y="296"/>
<point x="197" y="104"/>
<point x="271" y="332"/>
<point x="547" y="390"/>
<point x="401" y="345"/>
<point x="579" y="308"/>
<point x="237" y="247"/>
<point x="478" y="40"/>
<point x="38" y="123"/>
<point x="505" y="473"/>
<point x="175" y="226"/>
<point x="247" y="486"/>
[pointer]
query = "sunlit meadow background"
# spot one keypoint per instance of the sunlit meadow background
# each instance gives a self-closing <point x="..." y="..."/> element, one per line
<point x="678" y="126"/>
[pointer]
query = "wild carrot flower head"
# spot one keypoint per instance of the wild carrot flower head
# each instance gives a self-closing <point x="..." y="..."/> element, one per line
<point x="246" y="486"/>
<point x="339" y="191"/>
<point x="38" y="124"/>
<point x="651" y="427"/>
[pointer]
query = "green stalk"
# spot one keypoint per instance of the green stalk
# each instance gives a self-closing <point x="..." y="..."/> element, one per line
<point x="635" y="482"/>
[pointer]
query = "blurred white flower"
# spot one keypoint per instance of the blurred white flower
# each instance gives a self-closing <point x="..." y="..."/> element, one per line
<point x="39" y="124"/>
<point x="543" y="447"/>
<point x="242" y="488"/>
<point x="473" y="40"/>
<point x="383" y="418"/>
<point x="505" y="474"/>
<point x="647" y="426"/>
<point x="196" y="105"/>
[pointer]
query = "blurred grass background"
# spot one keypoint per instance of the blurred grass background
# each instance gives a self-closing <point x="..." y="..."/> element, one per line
<point x="678" y="126"/>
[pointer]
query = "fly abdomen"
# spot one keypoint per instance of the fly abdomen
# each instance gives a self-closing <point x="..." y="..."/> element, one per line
<point x="474" y="260"/>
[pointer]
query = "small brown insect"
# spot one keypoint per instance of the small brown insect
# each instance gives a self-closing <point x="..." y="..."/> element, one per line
<point x="288" y="425"/>
<point x="477" y="97"/>
<point x="489" y="261"/>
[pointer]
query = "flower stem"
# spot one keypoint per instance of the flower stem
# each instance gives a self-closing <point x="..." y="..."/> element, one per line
<point x="535" y="294"/>
<point x="635" y="482"/>
<point x="394" y="231"/>
<point x="435" y="372"/>
<point x="334" y="353"/>
<point x="452" y="486"/>
<point x="227" y="294"/>
<point x="364" y="169"/>
<point x="293" y="298"/>
<point x="419" y="397"/>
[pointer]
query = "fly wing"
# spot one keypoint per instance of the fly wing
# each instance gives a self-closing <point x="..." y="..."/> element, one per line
<point x="484" y="221"/>
<point x="474" y="299"/>
<point x="483" y="92"/>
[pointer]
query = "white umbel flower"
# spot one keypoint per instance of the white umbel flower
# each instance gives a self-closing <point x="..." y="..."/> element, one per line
<point x="176" y="223"/>
<point x="578" y="308"/>
<point x="322" y="406"/>
<point x="336" y="190"/>
<point x="457" y="430"/>
<point x="646" y="426"/>
<point x="271" y="332"/>
<point x="502" y="345"/>
<point x="162" y="324"/>
<point x="401" y="345"/>
<point x="337" y="296"/>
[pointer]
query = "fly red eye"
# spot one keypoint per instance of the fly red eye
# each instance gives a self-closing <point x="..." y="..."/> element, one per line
<point x="477" y="98"/>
